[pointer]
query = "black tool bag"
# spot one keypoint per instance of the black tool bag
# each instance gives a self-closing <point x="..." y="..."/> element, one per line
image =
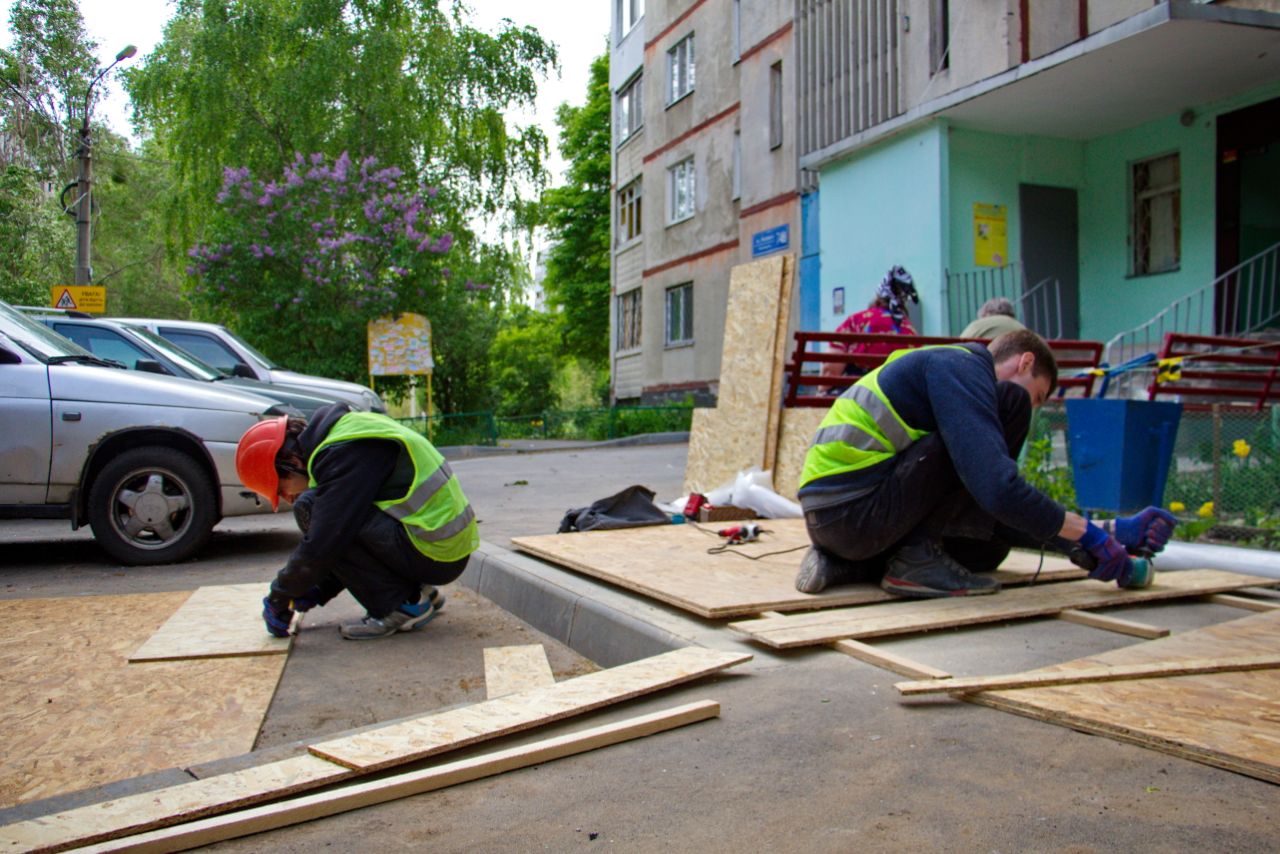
<point x="633" y="507"/>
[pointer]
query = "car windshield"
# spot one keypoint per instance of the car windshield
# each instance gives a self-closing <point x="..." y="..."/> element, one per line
<point x="37" y="339"/>
<point x="197" y="368"/>
<point x="252" y="351"/>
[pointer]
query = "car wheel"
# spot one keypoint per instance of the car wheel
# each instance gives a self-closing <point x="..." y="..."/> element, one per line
<point x="152" y="505"/>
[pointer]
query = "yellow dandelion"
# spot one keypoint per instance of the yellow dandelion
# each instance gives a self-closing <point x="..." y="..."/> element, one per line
<point x="1206" y="510"/>
<point x="1240" y="448"/>
<point x="1177" y="506"/>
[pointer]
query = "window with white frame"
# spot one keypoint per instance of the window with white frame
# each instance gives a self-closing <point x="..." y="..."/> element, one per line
<point x="629" y="200"/>
<point x="630" y="108"/>
<point x="629" y="12"/>
<point x="1156" y="204"/>
<point x="680" y="69"/>
<point x="629" y="320"/>
<point x="775" y="105"/>
<point x="680" y="314"/>
<point x="682" y="189"/>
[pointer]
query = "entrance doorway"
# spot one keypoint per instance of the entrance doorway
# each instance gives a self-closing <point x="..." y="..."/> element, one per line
<point x="1248" y="215"/>
<point x="1050" y="250"/>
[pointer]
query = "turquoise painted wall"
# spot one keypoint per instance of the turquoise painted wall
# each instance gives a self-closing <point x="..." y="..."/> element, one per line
<point x="883" y="207"/>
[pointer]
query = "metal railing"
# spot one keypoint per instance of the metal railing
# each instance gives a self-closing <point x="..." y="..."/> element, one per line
<point x="1239" y="303"/>
<point x="1038" y="307"/>
<point x="489" y="428"/>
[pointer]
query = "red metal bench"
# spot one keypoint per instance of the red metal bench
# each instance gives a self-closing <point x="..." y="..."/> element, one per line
<point x="1072" y="356"/>
<point x="1235" y="373"/>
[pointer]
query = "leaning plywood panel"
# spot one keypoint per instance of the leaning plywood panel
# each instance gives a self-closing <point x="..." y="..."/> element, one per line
<point x="70" y="693"/>
<point x="777" y="377"/>
<point x="718" y="450"/>
<point x="1228" y="720"/>
<point x="225" y="620"/>
<point x="670" y="563"/>
<point x="428" y="735"/>
<point x="799" y="425"/>
<point x="925" y="614"/>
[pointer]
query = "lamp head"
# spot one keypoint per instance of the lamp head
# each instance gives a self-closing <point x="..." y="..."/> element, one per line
<point x="129" y="50"/>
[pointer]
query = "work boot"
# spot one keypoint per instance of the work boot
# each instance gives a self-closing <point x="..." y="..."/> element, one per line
<point x="405" y="618"/>
<point x="819" y="570"/>
<point x="926" y="571"/>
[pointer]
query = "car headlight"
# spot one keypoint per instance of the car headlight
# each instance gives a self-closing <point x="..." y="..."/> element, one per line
<point x="372" y="401"/>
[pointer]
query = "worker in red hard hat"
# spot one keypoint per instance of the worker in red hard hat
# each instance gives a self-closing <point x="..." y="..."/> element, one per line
<point x="382" y="516"/>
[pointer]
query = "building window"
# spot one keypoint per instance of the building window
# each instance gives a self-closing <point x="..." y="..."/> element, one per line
<point x="680" y="69"/>
<point x="939" y="35"/>
<point x="629" y="12"/>
<point x="630" y="109"/>
<point x="629" y="212"/>
<point x="775" y="105"/>
<point x="1156" y="228"/>
<point x="629" y="320"/>
<point x="683" y="188"/>
<point x="680" y="314"/>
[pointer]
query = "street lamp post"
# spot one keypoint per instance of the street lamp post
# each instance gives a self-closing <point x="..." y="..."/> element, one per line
<point x="84" y="203"/>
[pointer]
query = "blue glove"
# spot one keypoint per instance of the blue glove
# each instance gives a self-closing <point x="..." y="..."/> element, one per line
<point x="277" y="617"/>
<point x="1113" y="560"/>
<point x="1146" y="531"/>
<point x="309" y="600"/>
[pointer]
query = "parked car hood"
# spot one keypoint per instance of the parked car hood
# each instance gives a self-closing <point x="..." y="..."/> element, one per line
<point x="71" y="382"/>
<point x="325" y="385"/>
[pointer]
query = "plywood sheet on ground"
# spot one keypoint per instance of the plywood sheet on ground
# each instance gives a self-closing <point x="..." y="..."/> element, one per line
<point x="428" y="735"/>
<point x="70" y="694"/>
<point x="926" y="614"/>
<point x="508" y="669"/>
<point x="225" y="620"/>
<point x="1229" y="720"/>
<point x="670" y="563"/>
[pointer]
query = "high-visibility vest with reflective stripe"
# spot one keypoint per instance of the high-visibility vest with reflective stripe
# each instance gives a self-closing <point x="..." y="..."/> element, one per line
<point x="862" y="428"/>
<point x="434" y="512"/>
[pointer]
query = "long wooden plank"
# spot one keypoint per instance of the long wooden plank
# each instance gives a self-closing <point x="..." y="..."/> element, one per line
<point x="1116" y="673"/>
<point x="508" y="669"/>
<point x="214" y="622"/>
<point x="1228" y="720"/>
<point x="418" y="738"/>
<point x="310" y="807"/>
<point x="172" y="805"/>
<point x="1113" y="624"/>
<point x="927" y="614"/>
<point x="670" y="563"/>
<point x="1243" y="602"/>
<point x="888" y="660"/>
<point x="777" y="376"/>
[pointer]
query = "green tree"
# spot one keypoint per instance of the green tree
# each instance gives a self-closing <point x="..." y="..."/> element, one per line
<point x="577" y="216"/>
<point x="524" y="359"/>
<point x="35" y="243"/>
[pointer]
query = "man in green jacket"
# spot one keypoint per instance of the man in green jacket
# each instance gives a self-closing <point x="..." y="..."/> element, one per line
<point x="382" y="516"/>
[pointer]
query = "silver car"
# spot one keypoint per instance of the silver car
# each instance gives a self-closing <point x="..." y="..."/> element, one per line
<point x="148" y="461"/>
<point x="219" y="346"/>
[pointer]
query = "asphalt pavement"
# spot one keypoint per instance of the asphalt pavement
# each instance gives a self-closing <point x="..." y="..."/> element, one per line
<point x="813" y="750"/>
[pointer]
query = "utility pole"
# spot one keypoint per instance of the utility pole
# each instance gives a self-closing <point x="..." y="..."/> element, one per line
<point x="84" y="200"/>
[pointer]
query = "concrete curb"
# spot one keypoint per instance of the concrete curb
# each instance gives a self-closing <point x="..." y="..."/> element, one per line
<point x="546" y="446"/>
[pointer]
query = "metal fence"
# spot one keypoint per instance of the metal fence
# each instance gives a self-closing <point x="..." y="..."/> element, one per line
<point x="1224" y="482"/>
<point x="1038" y="307"/>
<point x="488" y="428"/>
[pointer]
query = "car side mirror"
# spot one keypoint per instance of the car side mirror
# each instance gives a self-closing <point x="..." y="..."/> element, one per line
<point x="243" y="370"/>
<point x="151" y="366"/>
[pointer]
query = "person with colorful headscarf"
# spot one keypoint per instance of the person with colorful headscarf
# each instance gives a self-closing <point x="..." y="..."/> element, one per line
<point x="887" y="314"/>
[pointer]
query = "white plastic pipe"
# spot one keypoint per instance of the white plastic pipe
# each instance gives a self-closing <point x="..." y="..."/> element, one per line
<point x="1178" y="555"/>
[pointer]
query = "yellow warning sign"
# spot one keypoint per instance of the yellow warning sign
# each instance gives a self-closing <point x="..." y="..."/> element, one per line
<point x="90" y="298"/>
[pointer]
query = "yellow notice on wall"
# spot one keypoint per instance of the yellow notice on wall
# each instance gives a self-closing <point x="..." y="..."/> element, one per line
<point x="90" y="298"/>
<point x="990" y="235"/>
<point x="400" y="346"/>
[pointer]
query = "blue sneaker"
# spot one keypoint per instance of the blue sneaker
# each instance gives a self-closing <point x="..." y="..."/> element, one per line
<point x="405" y="618"/>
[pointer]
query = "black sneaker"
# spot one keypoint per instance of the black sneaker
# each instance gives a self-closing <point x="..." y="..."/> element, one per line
<point x="925" y="571"/>
<point x="818" y="571"/>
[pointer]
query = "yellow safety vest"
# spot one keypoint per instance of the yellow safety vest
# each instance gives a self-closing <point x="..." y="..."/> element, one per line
<point x="862" y="428"/>
<point x="434" y="512"/>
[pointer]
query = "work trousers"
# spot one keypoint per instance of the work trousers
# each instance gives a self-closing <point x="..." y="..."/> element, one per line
<point x="922" y="498"/>
<point x="381" y="567"/>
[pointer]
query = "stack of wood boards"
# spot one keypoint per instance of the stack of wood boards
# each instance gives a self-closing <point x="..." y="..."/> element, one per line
<point x="1229" y="720"/>
<point x="823" y="627"/>
<point x="71" y="693"/>
<point x="670" y="563"/>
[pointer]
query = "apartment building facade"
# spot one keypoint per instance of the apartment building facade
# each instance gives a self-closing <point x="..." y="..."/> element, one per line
<point x="1126" y="151"/>
<point x="705" y="177"/>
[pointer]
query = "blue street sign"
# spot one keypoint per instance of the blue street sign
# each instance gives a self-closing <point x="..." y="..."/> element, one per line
<point x="770" y="240"/>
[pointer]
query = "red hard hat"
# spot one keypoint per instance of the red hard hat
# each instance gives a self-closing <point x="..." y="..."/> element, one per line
<point x="256" y="458"/>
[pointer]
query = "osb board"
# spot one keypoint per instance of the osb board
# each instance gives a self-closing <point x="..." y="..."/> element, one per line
<point x="1228" y="720"/>
<point x="718" y="450"/>
<point x="670" y="563"/>
<point x="428" y="735"/>
<point x="71" y="697"/>
<point x="926" y="614"/>
<point x="508" y="669"/>
<point x="169" y="806"/>
<point x="795" y="433"/>
<point x="214" y="622"/>
<point x="777" y="375"/>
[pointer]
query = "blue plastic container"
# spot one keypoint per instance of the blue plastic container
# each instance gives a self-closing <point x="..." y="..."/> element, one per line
<point x="1120" y="451"/>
